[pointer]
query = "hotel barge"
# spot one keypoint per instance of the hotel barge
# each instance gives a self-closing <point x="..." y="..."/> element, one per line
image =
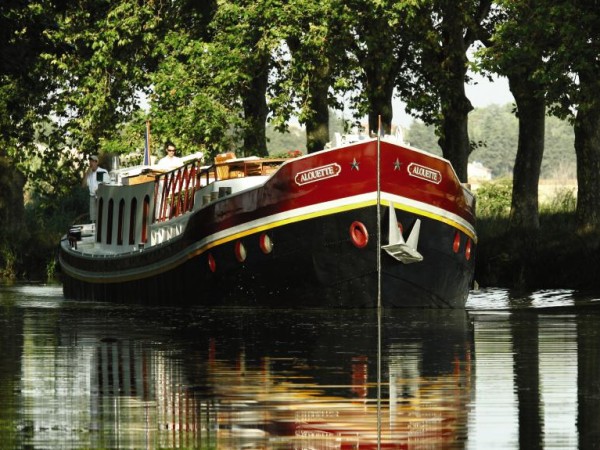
<point x="366" y="224"/>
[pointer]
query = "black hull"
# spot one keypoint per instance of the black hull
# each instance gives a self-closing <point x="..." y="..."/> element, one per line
<point x="313" y="264"/>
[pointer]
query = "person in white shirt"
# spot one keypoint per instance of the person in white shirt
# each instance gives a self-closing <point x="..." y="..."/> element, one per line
<point x="170" y="161"/>
<point x="94" y="175"/>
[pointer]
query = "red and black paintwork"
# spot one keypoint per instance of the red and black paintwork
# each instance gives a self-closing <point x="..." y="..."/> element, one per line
<point x="307" y="210"/>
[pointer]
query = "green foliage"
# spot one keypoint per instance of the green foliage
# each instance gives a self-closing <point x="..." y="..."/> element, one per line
<point x="494" y="198"/>
<point x="516" y="37"/>
<point x="50" y="166"/>
<point x="497" y="127"/>
<point x="45" y="223"/>
<point x="51" y="270"/>
<point x="8" y="259"/>
<point x="572" y="68"/>
<point x="129" y="139"/>
<point x="101" y="53"/>
<point x="557" y="220"/>
<point x="186" y="107"/>
<point x="294" y="138"/>
<point x="376" y="62"/>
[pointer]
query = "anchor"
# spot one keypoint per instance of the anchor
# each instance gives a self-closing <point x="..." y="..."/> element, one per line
<point x="401" y="250"/>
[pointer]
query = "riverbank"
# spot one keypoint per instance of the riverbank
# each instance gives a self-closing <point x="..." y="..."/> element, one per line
<point x="553" y="257"/>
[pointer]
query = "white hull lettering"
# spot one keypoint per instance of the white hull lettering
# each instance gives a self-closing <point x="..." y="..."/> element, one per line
<point x="424" y="173"/>
<point x="317" y="174"/>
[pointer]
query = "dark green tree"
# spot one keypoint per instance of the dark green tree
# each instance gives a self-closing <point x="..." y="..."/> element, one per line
<point x="311" y="32"/>
<point x="516" y="40"/>
<point x="100" y="62"/>
<point x="574" y="84"/>
<point x="378" y="40"/>
<point x="444" y="31"/>
<point x="192" y="102"/>
<point x="24" y="88"/>
<point x="245" y="43"/>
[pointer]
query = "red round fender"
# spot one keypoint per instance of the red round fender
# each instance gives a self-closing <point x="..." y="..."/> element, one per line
<point x="240" y="251"/>
<point x="359" y="234"/>
<point x="456" y="243"/>
<point x="212" y="264"/>
<point x="266" y="244"/>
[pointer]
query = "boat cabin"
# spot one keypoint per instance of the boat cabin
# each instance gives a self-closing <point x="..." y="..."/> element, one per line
<point x="144" y="206"/>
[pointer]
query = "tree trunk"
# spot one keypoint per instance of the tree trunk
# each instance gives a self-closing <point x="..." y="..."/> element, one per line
<point x="381" y="70"/>
<point x="531" y="109"/>
<point x="256" y="111"/>
<point x="455" y="109"/>
<point x="12" y="209"/>
<point x="315" y="104"/>
<point x="380" y="105"/>
<point x="587" y="151"/>
<point x="454" y="141"/>
<point x="317" y="127"/>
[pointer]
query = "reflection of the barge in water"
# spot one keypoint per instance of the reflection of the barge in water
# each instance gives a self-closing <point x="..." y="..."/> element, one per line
<point x="260" y="386"/>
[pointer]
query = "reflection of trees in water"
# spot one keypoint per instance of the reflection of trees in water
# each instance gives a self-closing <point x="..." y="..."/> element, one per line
<point x="527" y="381"/>
<point x="529" y="378"/>
<point x="11" y="344"/>
<point x="588" y="380"/>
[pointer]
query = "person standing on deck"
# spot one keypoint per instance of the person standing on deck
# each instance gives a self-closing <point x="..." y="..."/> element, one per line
<point x="93" y="176"/>
<point x="170" y="161"/>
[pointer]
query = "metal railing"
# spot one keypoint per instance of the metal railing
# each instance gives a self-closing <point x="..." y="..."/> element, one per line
<point x="174" y="191"/>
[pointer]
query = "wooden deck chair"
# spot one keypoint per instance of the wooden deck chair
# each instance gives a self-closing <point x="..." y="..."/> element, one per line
<point x="223" y="171"/>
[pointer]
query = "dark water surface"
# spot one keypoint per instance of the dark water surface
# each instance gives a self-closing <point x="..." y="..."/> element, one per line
<point x="510" y="372"/>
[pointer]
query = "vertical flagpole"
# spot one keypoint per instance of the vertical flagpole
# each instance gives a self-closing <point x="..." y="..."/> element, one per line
<point x="379" y="305"/>
<point x="379" y="214"/>
<point x="147" y="160"/>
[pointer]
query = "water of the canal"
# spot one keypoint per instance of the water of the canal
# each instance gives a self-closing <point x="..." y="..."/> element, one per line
<point x="512" y="371"/>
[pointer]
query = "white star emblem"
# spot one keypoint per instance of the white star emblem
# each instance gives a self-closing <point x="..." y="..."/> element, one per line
<point x="354" y="165"/>
<point x="397" y="164"/>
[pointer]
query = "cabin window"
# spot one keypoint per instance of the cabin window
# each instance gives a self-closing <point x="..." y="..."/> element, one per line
<point x="99" y="220"/>
<point x="120" y="223"/>
<point x="145" y="212"/>
<point x="109" y="221"/>
<point x="132" y="214"/>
